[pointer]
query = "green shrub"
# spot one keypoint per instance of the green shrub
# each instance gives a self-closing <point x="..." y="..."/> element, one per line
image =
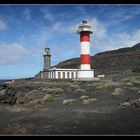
<point x="129" y="84"/>
<point x="125" y="104"/>
<point x="102" y="85"/>
<point x="134" y="88"/>
<point x="69" y="101"/>
<point x="136" y="82"/>
<point x="81" y="91"/>
<point x="131" y="103"/>
<point x="58" y="91"/>
<point x="118" y="92"/>
<point x="53" y="91"/>
<point x="133" y="82"/>
<point x="89" y="100"/>
<point x="48" y="98"/>
<point x="84" y="97"/>
<point x="47" y="90"/>
<point x="126" y="80"/>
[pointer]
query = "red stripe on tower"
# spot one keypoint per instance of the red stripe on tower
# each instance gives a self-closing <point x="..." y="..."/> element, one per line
<point x="84" y="36"/>
<point x="85" y="58"/>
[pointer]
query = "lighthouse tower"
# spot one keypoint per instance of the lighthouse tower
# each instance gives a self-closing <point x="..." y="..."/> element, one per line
<point x="47" y="63"/>
<point x="84" y="30"/>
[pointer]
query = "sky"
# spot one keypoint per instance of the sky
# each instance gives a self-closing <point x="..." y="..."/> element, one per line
<point x="25" y="31"/>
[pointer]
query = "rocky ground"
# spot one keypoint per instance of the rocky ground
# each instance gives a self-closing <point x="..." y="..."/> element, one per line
<point x="62" y="107"/>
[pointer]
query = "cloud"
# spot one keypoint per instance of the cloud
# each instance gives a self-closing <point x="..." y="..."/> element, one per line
<point x="12" y="53"/>
<point x="99" y="29"/>
<point x="27" y="14"/>
<point x="3" y="25"/>
<point x="63" y="27"/>
<point x="15" y="53"/>
<point x="116" y="41"/>
<point x="47" y="14"/>
<point x="123" y="14"/>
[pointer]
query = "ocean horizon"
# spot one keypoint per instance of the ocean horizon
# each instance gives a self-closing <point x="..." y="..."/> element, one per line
<point x="4" y="80"/>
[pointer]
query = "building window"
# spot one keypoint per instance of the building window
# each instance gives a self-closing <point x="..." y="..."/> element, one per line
<point x="68" y="75"/>
<point x="72" y="75"/>
<point x="63" y="75"/>
<point x="59" y="75"/>
<point x="52" y="75"/>
<point x="75" y="74"/>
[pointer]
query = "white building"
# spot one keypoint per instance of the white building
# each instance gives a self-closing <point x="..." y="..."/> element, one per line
<point x="58" y="73"/>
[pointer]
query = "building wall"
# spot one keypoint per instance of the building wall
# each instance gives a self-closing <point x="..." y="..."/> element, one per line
<point x="47" y="62"/>
<point x="45" y="74"/>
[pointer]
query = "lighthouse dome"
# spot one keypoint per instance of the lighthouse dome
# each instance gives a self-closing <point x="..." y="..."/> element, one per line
<point x="84" y="26"/>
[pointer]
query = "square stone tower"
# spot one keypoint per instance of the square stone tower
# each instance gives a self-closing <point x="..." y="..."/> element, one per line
<point x="47" y="63"/>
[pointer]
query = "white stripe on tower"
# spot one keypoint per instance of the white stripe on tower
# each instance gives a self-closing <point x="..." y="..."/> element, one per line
<point x="85" y="47"/>
<point x="85" y="50"/>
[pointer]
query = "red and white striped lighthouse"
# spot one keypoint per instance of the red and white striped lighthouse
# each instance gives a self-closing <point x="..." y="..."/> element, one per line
<point x="84" y="29"/>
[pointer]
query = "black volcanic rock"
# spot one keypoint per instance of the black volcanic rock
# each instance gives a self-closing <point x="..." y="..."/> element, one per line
<point x="110" y="62"/>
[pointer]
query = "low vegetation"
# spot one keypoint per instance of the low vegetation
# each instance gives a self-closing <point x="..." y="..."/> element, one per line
<point x="89" y="100"/>
<point x="134" y="88"/>
<point x="53" y="91"/>
<point x="118" y="92"/>
<point x="80" y="91"/>
<point x="102" y="85"/>
<point x="84" y="97"/>
<point x="48" y="98"/>
<point x="131" y="103"/>
<point x="69" y="101"/>
<point x="133" y="82"/>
